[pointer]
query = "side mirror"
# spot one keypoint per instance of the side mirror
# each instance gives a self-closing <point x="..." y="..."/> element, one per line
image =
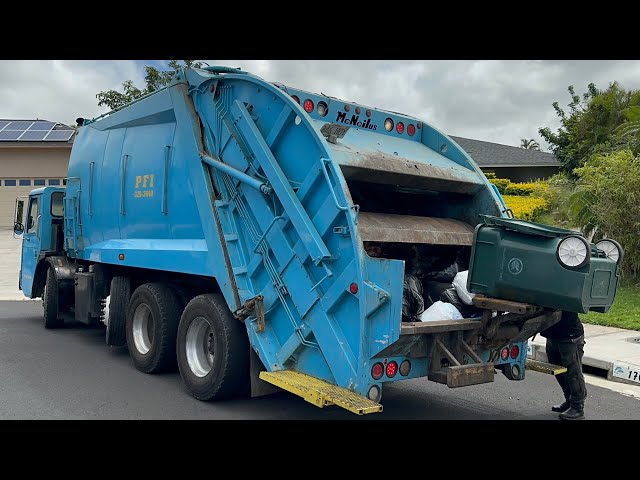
<point x="18" y="229"/>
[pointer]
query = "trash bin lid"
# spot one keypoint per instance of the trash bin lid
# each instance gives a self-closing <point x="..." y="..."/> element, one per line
<point x="523" y="226"/>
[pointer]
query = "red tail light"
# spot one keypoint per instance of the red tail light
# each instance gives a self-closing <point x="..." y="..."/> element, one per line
<point x="308" y="106"/>
<point x="353" y="288"/>
<point x="392" y="369"/>
<point x="505" y="353"/>
<point x="515" y="351"/>
<point x="400" y="127"/>
<point x="411" y="130"/>
<point x="377" y="370"/>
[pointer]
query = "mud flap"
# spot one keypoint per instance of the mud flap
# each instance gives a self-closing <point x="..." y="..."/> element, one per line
<point x="259" y="388"/>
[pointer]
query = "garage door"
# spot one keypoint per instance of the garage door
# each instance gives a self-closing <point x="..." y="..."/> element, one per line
<point x="8" y="194"/>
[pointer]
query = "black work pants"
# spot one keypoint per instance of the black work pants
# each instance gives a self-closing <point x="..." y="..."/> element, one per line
<point x="568" y="353"/>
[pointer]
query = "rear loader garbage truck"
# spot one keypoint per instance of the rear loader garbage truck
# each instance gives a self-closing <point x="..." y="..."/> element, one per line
<point x="229" y="222"/>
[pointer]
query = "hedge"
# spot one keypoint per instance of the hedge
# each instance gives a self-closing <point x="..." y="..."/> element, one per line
<point x="526" y="208"/>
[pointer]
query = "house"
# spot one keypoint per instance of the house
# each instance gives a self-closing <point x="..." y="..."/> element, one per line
<point x="515" y="163"/>
<point x="33" y="153"/>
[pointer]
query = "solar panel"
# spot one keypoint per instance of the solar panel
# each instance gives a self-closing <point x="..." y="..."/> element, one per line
<point x="9" y="136"/>
<point x="58" y="136"/>
<point x="42" y="126"/>
<point x="32" y="136"/>
<point x="3" y="124"/>
<point x="19" y="125"/>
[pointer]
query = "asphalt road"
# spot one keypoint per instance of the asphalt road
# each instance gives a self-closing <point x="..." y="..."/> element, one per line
<point x="72" y="374"/>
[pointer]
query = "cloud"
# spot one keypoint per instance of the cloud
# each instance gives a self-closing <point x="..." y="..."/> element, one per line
<point x="498" y="100"/>
<point x="60" y="90"/>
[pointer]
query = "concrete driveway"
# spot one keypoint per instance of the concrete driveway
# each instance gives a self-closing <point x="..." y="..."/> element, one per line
<point x="10" y="266"/>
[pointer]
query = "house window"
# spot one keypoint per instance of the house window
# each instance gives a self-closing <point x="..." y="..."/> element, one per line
<point x="54" y="181"/>
<point x="9" y="183"/>
<point x="25" y="182"/>
<point x="38" y="182"/>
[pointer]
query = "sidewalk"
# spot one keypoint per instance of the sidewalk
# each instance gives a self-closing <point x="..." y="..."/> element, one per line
<point x="614" y="351"/>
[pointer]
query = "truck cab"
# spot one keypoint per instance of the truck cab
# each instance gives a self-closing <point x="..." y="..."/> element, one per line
<point x="39" y="219"/>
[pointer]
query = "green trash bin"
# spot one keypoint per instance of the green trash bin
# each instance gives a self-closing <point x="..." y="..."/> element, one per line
<point x="542" y="265"/>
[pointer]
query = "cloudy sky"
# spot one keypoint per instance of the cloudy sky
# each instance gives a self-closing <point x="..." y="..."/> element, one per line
<point x="497" y="100"/>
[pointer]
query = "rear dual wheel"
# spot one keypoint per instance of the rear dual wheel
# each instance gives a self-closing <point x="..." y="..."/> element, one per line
<point x="213" y="349"/>
<point x="152" y="321"/>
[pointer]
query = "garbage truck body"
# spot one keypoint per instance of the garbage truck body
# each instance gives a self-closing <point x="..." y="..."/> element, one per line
<point x="226" y="218"/>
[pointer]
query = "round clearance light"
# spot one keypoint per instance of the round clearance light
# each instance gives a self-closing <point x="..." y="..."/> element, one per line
<point x="405" y="368"/>
<point x="612" y="249"/>
<point x="308" y="106"/>
<point x="295" y="97"/>
<point x="504" y="354"/>
<point x="573" y="252"/>
<point x="374" y="393"/>
<point x="358" y="110"/>
<point x="369" y="113"/>
<point x="377" y="370"/>
<point x="411" y="130"/>
<point x="392" y="369"/>
<point x="347" y="108"/>
<point x="515" y="351"/>
<point x="388" y="124"/>
<point x="400" y="127"/>
<point x="322" y="109"/>
<point x="353" y="288"/>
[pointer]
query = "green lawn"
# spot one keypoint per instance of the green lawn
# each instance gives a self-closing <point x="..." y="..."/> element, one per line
<point x="625" y="312"/>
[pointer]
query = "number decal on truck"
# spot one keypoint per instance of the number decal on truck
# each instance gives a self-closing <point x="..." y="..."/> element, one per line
<point x="144" y="181"/>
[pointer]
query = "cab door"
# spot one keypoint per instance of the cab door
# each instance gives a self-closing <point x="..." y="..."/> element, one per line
<point x="31" y="245"/>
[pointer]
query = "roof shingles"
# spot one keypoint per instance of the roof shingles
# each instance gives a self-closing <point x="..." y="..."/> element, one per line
<point x="487" y="154"/>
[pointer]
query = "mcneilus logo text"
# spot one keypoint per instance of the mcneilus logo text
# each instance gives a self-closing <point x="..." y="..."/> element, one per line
<point x="355" y="121"/>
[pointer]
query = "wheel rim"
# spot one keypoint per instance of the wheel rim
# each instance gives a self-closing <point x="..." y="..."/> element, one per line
<point x="142" y="328"/>
<point x="572" y="251"/>
<point x="199" y="347"/>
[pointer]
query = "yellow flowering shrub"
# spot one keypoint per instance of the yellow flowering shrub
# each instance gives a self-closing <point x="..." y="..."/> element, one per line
<point x="526" y="208"/>
<point x="526" y="188"/>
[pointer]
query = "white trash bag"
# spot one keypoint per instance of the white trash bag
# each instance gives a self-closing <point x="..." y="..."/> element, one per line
<point x="460" y="284"/>
<point x="440" y="311"/>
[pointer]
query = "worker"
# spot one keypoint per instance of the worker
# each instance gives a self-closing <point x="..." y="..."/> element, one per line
<point x="565" y="347"/>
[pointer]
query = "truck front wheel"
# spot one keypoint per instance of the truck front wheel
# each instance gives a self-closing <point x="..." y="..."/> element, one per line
<point x="50" y="299"/>
<point x="213" y="349"/>
<point x="152" y="321"/>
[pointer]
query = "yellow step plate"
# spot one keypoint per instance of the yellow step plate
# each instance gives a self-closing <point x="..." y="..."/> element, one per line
<point x="545" y="367"/>
<point x="319" y="392"/>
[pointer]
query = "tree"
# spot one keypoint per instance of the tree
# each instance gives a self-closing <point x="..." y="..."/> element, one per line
<point x="609" y="186"/>
<point x="529" y="144"/>
<point x="592" y="125"/>
<point x="154" y="79"/>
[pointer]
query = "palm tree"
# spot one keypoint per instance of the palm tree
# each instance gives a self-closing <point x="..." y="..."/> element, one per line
<point x="529" y="144"/>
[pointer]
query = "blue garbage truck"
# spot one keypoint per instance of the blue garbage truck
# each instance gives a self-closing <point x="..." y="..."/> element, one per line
<point x="228" y="222"/>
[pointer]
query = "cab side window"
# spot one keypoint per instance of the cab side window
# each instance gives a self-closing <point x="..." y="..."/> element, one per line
<point x="32" y="222"/>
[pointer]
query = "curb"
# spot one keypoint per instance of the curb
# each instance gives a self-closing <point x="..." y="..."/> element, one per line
<point x="615" y="371"/>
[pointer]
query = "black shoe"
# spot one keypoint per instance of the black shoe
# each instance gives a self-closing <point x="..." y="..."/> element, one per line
<point x="562" y="407"/>
<point x="572" y="414"/>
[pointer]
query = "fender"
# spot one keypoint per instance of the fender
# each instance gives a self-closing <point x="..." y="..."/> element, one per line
<point x="63" y="267"/>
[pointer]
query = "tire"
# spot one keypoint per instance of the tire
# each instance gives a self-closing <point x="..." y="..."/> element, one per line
<point x="50" y="298"/>
<point x="225" y="373"/>
<point x="156" y="306"/>
<point x="119" y="295"/>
